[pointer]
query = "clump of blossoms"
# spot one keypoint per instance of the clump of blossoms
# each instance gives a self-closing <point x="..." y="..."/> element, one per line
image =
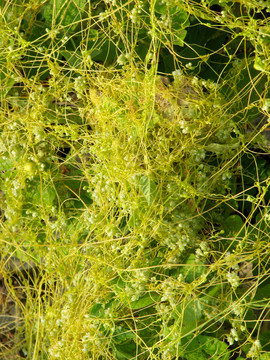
<point x="233" y="336"/>
<point x="255" y="350"/>
<point x="80" y="86"/>
<point x="233" y="279"/>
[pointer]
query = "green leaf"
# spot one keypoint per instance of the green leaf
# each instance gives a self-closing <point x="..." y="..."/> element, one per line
<point x="97" y="311"/>
<point x="148" y="188"/>
<point x="212" y="294"/>
<point x="125" y="352"/>
<point x="73" y="58"/>
<point x="6" y="81"/>
<point x="6" y="164"/>
<point x="265" y="356"/>
<point x="122" y="335"/>
<point x="44" y="193"/>
<point x="179" y="23"/>
<point x="233" y="225"/>
<point x="161" y="7"/>
<point x="65" y="13"/>
<point x="222" y="148"/>
<point x="207" y="347"/>
<point x="262" y="294"/>
<point x="145" y="300"/>
<point x="260" y="65"/>
<point x="264" y="339"/>
<point x="192" y="270"/>
<point x="190" y="312"/>
<point x="178" y="39"/>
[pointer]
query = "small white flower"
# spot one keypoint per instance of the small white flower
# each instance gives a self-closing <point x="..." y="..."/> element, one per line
<point x="255" y="349"/>
<point x="233" y="279"/>
<point x="234" y="334"/>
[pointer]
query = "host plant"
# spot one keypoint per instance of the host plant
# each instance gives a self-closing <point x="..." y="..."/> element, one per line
<point x="134" y="179"/>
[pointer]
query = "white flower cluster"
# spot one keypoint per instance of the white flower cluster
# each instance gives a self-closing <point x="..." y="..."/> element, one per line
<point x="177" y="75"/>
<point x="64" y="39"/>
<point x="189" y="65"/>
<point x="175" y="241"/>
<point x="233" y="279"/>
<point x="135" y="12"/>
<point x="267" y="217"/>
<point x="14" y="54"/>
<point x="13" y="126"/>
<point x="238" y="309"/>
<point x="255" y="350"/>
<point x="226" y="175"/>
<point x="94" y="338"/>
<point x="233" y="336"/>
<point x="3" y="148"/>
<point x="165" y="20"/>
<point x="16" y="187"/>
<point x="170" y="289"/>
<point x="198" y="154"/>
<point x="105" y="191"/>
<point x="186" y="129"/>
<point x="11" y="213"/>
<point x="57" y="224"/>
<point x="266" y="105"/>
<point x="169" y="353"/>
<point x="134" y="293"/>
<point x="38" y="133"/>
<point x="80" y="86"/>
<point x="103" y="15"/>
<point x="112" y="2"/>
<point x="203" y="251"/>
<point x="138" y="285"/>
<point x="52" y="33"/>
<point x="55" y="350"/>
<point x="123" y="59"/>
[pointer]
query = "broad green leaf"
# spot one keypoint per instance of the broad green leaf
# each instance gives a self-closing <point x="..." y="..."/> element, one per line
<point x="97" y="311"/>
<point x="264" y="340"/>
<point x="6" y="81"/>
<point x="189" y="314"/>
<point x="178" y="39"/>
<point x="222" y="148"/>
<point x="148" y="188"/>
<point x="211" y="295"/>
<point x="233" y="224"/>
<point x="260" y="65"/>
<point x="192" y="270"/>
<point x="125" y="352"/>
<point x="134" y="220"/>
<point x="262" y="294"/>
<point x="72" y="57"/>
<point x="45" y="194"/>
<point x="105" y="50"/>
<point x="5" y="164"/>
<point x="93" y="34"/>
<point x="179" y="23"/>
<point x="265" y="356"/>
<point x="207" y="347"/>
<point x="122" y="335"/>
<point x="65" y="13"/>
<point x="161" y="7"/>
<point x="146" y="300"/>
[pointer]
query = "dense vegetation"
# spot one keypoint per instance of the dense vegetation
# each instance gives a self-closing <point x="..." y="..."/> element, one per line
<point x="134" y="179"/>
